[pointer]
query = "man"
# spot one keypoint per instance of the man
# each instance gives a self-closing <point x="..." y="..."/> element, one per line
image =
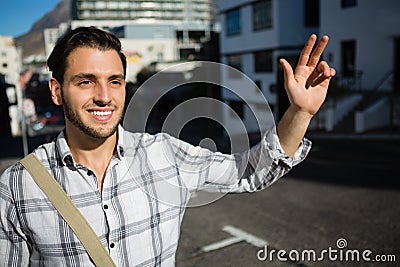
<point x="114" y="177"/>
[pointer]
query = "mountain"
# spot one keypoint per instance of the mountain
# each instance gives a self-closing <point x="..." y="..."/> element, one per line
<point x="32" y="42"/>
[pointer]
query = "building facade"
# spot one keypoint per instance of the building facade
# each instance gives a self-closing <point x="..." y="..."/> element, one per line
<point x="365" y="43"/>
<point x="144" y="44"/>
<point x="149" y="30"/>
<point x="193" y="19"/>
<point x="364" y="48"/>
<point x="10" y="59"/>
<point x="10" y="68"/>
<point x="194" y="11"/>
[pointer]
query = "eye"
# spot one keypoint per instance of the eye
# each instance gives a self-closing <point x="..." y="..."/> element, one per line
<point x="116" y="83"/>
<point x="86" y="83"/>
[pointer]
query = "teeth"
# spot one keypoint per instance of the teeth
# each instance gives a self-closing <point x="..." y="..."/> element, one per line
<point x="101" y="113"/>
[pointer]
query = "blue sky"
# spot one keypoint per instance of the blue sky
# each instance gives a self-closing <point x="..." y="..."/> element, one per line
<point x="18" y="16"/>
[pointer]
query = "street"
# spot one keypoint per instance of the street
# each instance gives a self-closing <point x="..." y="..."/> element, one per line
<point x="345" y="190"/>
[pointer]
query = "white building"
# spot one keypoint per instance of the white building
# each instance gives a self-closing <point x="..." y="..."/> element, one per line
<point x="10" y="59"/>
<point x="156" y="10"/>
<point x="364" y="48"/>
<point x="51" y="36"/>
<point x="144" y="44"/>
<point x="149" y="30"/>
<point x="254" y="35"/>
<point x="10" y="67"/>
<point x="365" y="39"/>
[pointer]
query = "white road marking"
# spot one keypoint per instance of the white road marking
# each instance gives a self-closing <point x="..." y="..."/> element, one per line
<point x="249" y="238"/>
<point x="222" y="244"/>
<point x="238" y="236"/>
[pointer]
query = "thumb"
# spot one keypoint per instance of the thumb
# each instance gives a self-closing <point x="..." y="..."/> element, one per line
<point x="287" y="71"/>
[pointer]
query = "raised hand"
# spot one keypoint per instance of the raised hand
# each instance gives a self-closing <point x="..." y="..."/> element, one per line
<point x="307" y="86"/>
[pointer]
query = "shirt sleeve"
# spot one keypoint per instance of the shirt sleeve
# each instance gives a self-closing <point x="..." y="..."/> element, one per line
<point x="249" y="171"/>
<point x="13" y="246"/>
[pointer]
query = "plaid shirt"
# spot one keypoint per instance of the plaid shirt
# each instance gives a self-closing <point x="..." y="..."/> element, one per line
<point x="138" y="214"/>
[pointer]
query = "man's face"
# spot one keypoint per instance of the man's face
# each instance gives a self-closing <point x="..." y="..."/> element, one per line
<point x="93" y="92"/>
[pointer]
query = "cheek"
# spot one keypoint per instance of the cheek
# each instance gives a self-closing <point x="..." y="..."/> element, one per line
<point x="120" y="97"/>
<point x="76" y="98"/>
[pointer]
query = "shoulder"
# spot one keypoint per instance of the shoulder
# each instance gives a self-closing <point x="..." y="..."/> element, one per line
<point x="146" y="139"/>
<point x="149" y="145"/>
<point x="11" y="177"/>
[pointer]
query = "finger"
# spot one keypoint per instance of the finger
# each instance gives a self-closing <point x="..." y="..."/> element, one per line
<point x="312" y="78"/>
<point x="320" y="73"/>
<point x="287" y="70"/>
<point x="319" y="80"/>
<point x="305" y="53"/>
<point x="324" y="69"/>
<point x="333" y="72"/>
<point x="315" y="56"/>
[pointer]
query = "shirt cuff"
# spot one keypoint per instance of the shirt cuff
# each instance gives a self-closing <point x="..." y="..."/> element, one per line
<point x="276" y="152"/>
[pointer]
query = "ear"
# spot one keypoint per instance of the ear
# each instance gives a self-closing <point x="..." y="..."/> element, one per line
<point x="55" y="89"/>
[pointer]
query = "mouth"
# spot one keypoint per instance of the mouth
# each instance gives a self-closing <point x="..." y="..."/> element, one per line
<point x="101" y="115"/>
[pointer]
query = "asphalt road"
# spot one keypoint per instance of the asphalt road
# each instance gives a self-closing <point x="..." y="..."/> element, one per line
<point x="345" y="191"/>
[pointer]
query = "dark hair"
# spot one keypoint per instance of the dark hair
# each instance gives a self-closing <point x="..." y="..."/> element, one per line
<point x="81" y="37"/>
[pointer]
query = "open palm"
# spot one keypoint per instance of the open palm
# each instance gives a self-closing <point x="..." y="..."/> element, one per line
<point x="307" y="86"/>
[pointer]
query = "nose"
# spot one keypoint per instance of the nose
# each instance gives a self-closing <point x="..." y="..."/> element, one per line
<point x="102" y="95"/>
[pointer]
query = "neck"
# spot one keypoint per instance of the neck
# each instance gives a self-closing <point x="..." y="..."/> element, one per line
<point x="94" y="153"/>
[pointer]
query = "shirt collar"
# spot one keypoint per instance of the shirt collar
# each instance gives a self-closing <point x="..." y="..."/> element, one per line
<point x="120" y="143"/>
<point x="65" y="152"/>
<point x="63" y="149"/>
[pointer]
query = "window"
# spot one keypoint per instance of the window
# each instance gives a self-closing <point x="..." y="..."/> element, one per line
<point x="100" y="5"/>
<point x="263" y="61"/>
<point x="235" y="61"/>
<point x="112" y="5"/>
<point x="348" y="58"/>
<point x="233" y="22"/>
<point x="124" y="5"/>
<point x="262" y="15"/>
<point x="348" y="3"/>
<point x="311" y="13"/>
<point x="396" y="58"/>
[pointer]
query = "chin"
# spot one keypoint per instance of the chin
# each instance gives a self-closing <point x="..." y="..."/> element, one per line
<point x="98" y="132"/>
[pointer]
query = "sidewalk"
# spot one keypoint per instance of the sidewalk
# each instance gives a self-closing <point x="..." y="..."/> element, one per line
<point x="379" y="135"/>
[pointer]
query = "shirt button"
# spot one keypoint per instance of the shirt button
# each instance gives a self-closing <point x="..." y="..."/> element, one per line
<point x="105" y="206"/>
<point x="112" y="245"/>
<point x="121" y="151"/>
<point x="89" y="172"/>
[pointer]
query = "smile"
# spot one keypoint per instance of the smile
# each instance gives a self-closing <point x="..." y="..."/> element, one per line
<point x="101" y="113"/>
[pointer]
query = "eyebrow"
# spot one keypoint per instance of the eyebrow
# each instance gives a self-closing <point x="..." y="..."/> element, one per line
<point x="92" y="76"/>
<point x="117" y="76"/>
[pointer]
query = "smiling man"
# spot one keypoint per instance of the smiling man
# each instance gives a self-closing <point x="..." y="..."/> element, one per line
<point x="92" y="93"/>
<point x="113" y="176"/>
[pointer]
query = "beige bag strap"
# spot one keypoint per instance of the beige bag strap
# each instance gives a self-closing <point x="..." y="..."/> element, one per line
<point x="68" y="211"/>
